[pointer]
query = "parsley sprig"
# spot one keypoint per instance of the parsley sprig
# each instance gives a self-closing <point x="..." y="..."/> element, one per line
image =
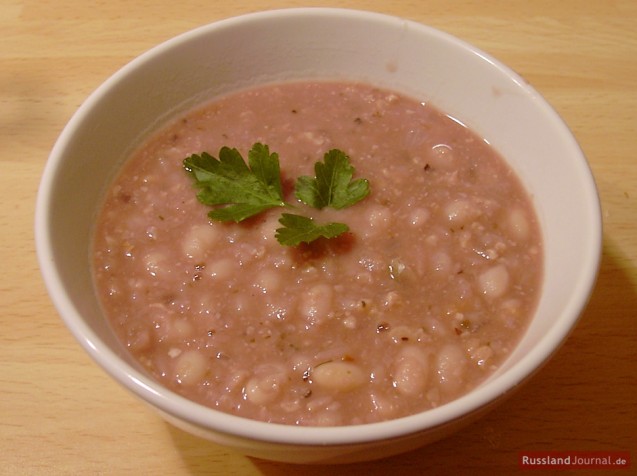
<point x="301" y="229"/>
<point x="332" y="186"/>
<point x="238" y="190"/>
<point x="244" y="190"/>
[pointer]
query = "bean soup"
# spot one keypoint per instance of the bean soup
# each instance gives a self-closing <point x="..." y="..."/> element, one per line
<point x="419" y="302"/>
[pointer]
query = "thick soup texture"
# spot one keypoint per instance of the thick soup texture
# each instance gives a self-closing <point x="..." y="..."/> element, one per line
<point x="423" y="299"/>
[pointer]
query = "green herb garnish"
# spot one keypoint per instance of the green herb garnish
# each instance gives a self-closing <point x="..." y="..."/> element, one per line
<point x="238" y="190"/>
<point x="332" y="186"/>
<point x="301" y="229"/>
<point x="243" y="190"/>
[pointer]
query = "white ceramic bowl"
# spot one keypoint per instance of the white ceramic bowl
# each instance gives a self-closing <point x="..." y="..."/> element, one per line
<point x="334" y="44"/>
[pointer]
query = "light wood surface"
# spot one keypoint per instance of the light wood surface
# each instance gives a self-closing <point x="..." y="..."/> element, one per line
<point x="61" y="414"/>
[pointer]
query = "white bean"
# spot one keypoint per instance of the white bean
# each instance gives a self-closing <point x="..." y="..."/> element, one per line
<point x="435" y="327"/>
<point x="315" y="405"/>
<point x="378" y="219"/>
<point x="154" y="263"/>
<point x="441" y="262"/>
<point x="419" y="217"/>
<point x="190" y="367"/>
<point x="382" y="405"/>
<point x="442" y="157"/>
<point x="349" y="322"/>
<point x="411" y="371"/>
<point x="461" y="211"/>
<point x="220" y="269"/>
<point x="329" y="417"/>
<point x="518" y="223"/>
<point x="433" y="396"/>
<point x="179" y="329"/>
<point x="139" y="339"/>
<point x="314" y="137"/>
<point x="494" y="282"/>
<point x="338" y="376"/>
<point x="235" y="380"/>
<point x="316" y="304"/>
<point x="481" y="355"/>
<point x="263" y="389"/>
<point x="198" y="240"/>
<point x="510" y="313"/>
<point x="392" y="299"/>
<point x="168" y="329"/>
<point x="450" y="367"/>
<point x="268" y="281"/>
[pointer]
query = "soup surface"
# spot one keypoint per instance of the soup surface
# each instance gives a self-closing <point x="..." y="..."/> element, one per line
<point x="423" y="299"/>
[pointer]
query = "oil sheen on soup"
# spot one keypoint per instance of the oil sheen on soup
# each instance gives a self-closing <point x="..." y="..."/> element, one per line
<point x="422" y="300"/>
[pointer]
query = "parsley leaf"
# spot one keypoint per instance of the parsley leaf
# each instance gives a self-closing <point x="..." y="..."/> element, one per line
<point x="242" y="190"/>
<point x="332" y="186"/>
<point x="237" y="190"/>
<point x="301" y="229"/>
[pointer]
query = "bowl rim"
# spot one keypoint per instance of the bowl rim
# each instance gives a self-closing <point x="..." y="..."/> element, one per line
<point x="203" y="417"/>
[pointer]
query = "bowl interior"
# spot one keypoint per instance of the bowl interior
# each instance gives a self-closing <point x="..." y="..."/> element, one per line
<point x="322" y="44"/>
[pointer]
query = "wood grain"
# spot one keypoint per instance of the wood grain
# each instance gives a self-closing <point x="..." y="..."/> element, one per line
<point x="60" y="414"/>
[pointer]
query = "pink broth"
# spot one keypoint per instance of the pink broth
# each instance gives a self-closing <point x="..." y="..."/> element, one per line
<point x="420" y="302"/>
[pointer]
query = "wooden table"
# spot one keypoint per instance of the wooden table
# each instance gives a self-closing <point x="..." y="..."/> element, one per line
<point x="60" y="414"/>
